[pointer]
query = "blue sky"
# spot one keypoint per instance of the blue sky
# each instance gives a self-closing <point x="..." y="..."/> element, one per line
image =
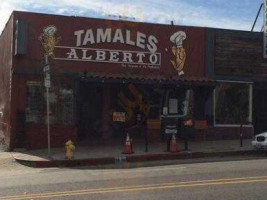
<point x="228" y="14"/>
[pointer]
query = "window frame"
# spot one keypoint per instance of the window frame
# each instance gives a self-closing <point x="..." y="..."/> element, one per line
<point x="57" y="86"/>
<point x="250" y="104"/>
<point x="38" y="84"/>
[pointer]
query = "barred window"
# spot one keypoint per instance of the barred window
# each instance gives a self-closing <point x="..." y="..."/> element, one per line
<point x="233" y="103"/>
<point x="33" y="113"/>
<point x="61" y="101"/>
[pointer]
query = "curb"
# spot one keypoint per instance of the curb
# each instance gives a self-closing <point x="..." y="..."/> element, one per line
<point x="67" y="163"/>
<point x="131" y="159"/>
<point x="187" y="155"/>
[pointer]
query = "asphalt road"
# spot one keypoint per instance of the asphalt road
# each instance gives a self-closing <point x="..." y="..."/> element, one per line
<point x="210" y="180"/>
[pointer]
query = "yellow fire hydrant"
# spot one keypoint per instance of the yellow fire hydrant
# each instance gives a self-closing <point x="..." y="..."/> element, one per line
<point x="69" y="147"/>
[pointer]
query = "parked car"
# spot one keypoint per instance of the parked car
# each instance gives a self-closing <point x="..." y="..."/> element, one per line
<point x="260" y="141"/>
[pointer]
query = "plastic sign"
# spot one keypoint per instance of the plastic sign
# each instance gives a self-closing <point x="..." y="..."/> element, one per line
<point x="47" y="77"/>
<point x="170" y="125"/>
<point x="46" y="68"/>
<point x="47" y="80"/>
<point x="47" y="83"/>
<point x="119" y="117"/>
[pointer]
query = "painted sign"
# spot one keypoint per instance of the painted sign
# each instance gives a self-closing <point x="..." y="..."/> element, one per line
<point x="146" y="57"/>
<point x="116" y="48"/>
<point x="49" y="40"/>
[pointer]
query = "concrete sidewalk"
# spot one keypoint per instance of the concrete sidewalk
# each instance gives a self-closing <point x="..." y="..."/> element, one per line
<point x="111" y="153"/>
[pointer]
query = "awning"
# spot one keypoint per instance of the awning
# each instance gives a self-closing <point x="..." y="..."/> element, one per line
<point x="147" y="79"/>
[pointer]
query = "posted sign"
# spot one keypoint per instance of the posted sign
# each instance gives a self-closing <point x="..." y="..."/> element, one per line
<point x="265" y="29"/>
<point x="119" y="116"/>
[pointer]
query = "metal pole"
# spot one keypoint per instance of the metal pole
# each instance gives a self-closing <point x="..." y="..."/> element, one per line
<point x="48" y="115"/>
<point x="256" y="17"/>
<point x="48" y="121"/>
<point x="241" y="135"/>
<point x="186" y="144"/>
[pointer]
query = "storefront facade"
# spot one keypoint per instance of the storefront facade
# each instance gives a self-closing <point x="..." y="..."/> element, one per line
<point x="240" y="72"/>
<point x="101" y="70"/>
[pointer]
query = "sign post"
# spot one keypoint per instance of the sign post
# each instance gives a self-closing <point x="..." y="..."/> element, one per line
<point x="49" y="41"/>
<point x="47" y="84"/>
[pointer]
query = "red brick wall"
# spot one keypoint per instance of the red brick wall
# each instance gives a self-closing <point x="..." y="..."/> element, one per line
<point x="223" y="133"/>
<point x="212" y="133"/>
<point x="5" y="81"/>
<point x="19" y="101"/>
<point x="153" y="135"/>
<point x="66" y="25"/>
<point x="36" y="135"/>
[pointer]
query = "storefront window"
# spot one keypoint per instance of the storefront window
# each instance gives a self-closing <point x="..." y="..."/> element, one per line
<point x="154" y="98"/>
<point x="61" y="102"/>
<point x="187" y="104"/>
<point x="53" y="101"/>
<point x="178" y="102"/>
<point x="232" y="103"/>
<point x="33" y="113"/>
<point x="66" y="99"/>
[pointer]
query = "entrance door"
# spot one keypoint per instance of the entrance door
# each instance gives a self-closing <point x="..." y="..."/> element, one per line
<point x="90" y="115"/>
<point x="260" y="110"/>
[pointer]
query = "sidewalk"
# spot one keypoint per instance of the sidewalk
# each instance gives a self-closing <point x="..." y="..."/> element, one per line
<point x="112" y="153"/>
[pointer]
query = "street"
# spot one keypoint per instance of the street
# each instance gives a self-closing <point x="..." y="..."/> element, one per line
<point x="245" y="179"/>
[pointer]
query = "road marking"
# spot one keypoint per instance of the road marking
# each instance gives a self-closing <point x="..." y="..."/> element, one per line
<point x="139" y="188"/>
<point x="141" y="169"/>
<point x="155" y="169"/>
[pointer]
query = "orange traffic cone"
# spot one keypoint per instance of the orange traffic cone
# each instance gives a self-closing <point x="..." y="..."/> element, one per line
<point x="174" y="145"/>
<point x="128" y="146"/>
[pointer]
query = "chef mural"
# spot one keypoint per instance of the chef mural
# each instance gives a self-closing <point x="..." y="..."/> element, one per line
<point x="49" y="40"/>
<point x="178" y="51"/>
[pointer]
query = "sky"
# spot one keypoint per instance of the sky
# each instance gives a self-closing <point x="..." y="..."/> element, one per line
<point x="227" y="14"/>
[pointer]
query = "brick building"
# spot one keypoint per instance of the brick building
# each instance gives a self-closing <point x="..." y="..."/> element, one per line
<point x="101" y="70"/>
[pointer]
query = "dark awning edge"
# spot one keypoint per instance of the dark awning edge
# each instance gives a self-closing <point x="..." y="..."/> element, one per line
<point x="159" y="80"/>
<point x="125" y="78"/>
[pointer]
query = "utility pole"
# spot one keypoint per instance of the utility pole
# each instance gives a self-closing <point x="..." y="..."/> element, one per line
<point x="256" y="17"/>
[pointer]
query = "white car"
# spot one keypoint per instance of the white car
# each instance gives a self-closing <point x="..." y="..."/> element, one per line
<point x="260" y="141"/>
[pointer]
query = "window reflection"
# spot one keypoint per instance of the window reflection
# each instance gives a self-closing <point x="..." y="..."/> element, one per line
<point x="232" y="103"/>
